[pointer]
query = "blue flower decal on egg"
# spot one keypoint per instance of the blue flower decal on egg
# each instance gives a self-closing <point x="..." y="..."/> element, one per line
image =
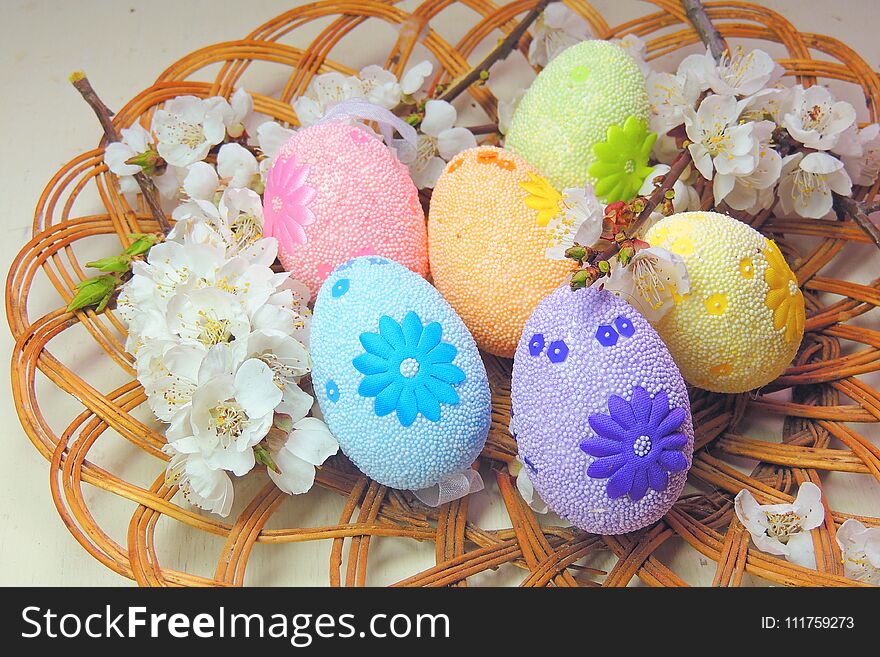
<point x="408" y="369"/>
<point x="637" y="444"/>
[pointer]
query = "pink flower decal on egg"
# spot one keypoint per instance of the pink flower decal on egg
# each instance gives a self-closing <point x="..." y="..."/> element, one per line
<point x="285" y="202"/>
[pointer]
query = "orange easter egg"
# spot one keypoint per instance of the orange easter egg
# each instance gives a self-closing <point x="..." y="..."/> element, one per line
<point x="487" y="248"/>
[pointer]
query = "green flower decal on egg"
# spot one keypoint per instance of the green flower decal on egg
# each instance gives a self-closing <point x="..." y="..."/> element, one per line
<point x="621" y="164"/>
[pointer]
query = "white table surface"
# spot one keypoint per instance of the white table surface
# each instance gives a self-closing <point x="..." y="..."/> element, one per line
<point x="123" y="46"/>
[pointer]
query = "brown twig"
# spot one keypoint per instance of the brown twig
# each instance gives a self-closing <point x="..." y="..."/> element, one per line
<point x="703" y="25"/>
<point x="499" y="52"/>
<point x="656" y="198"/>
<point x="484" y="129"/>
<point x="858" y="211"/>
<point x="104" y="114"/>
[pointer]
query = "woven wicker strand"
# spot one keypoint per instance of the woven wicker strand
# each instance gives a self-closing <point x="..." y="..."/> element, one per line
<point x="826" y="380"/>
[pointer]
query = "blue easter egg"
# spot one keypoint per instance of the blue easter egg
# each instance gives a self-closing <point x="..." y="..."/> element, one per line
<point x="397" y="374"/>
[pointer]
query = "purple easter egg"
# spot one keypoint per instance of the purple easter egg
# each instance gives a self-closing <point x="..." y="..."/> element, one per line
<point x="600" y="412"/>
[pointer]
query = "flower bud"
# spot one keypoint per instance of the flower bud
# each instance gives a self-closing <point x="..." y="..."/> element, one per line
<point x="119" y="264"/>
<point x="141" y="243"/>
<point x="94" y="291"/>
<point x="576" y="252"/>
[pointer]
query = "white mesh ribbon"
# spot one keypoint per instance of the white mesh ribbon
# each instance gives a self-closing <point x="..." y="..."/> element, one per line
<point x="359" y="109"/>
<point x="451" y="488"/>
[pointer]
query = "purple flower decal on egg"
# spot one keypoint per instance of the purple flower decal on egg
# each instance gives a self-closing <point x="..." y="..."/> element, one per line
<point x="286" y="201"/>
<point x="637" y="444"/>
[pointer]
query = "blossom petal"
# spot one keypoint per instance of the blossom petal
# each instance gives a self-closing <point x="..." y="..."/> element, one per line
<point x="600" y="447"/>
<point x="407" y="406"/>
<point x="370" y="364"/>
<point x="621" y="481"/>
<point x="386" y="400"/>
<point x="255" y="389"/>
<point x="427" y="402"/>
<point x="801" y="550"/>
<point x="439" y="116"/>
<point x="808" y="505"/>
<point x="312" y="441"/>
<point x="453" y="141"/>
<point x="606" y="427"/>
<point x="296" y="477"/>
<point x="412" y="329"/>
<point x="672" y="461"/>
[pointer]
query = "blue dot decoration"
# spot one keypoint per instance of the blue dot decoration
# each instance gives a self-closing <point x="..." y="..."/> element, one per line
<point x="332" y="391"/>
<point x="607" y="335"/>
<point x="624" y="327"/>
<point x="340" y="287"/>
<point x="557" y="352"/>
<point x="536" y="344"/>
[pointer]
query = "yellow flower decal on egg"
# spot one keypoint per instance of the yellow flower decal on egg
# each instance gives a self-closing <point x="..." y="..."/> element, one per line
<point x="542" y="197"/>
<point x="784" y="298"/>
<point x="621" y="164"/>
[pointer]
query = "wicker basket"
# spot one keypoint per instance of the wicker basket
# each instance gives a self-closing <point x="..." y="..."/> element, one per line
<point x="827" y="381"/>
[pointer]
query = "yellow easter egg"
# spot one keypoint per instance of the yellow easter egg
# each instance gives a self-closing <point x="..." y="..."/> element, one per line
<point x="487" y="242"/>
<point x="742" y="321"/>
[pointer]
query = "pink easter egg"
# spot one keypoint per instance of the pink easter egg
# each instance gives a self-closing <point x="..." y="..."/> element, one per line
<point x="336" y="192"/>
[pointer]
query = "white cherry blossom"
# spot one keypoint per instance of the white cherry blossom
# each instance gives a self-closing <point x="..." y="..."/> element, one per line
<point x="860" y="548"/>
<point x="580" y="220"/>
<point x="201" y="182"/>
<point x="743" y="73"/>
<point x="309" y="444"/>
<point x="557" y="28"/>
<point x="323" y="91"/>
<point x="651" y="281"/>
<point x="440" y="141"/>
<point x="720" y="143"/>
<point x="670" y="95"/>
<point x="414" y="78"/>
<point x="815" y="119"/>
<point x="135" y="140"/>
<point x="764" y="173"/>
<point x="202" y="486"/>
<point x="860" y="151"/>
<point x="784" y="529"/>
<point x="636" y="48"/>
<point x="808" y="182"/>
<point x="271" y="136"/>
<point x="236" y="165"/>
<point x="186" y="128"/>
<point x="380" y="87"/>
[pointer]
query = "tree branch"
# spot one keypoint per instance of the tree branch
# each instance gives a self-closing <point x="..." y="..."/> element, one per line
<point x="703" y="25"/>
<point x="499" y="52"/>
<point x="104" y="114"/>
<point x="858" y="211"/>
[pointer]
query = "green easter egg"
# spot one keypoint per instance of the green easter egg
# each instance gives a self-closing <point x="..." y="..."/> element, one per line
<point x="584" y="119"/>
